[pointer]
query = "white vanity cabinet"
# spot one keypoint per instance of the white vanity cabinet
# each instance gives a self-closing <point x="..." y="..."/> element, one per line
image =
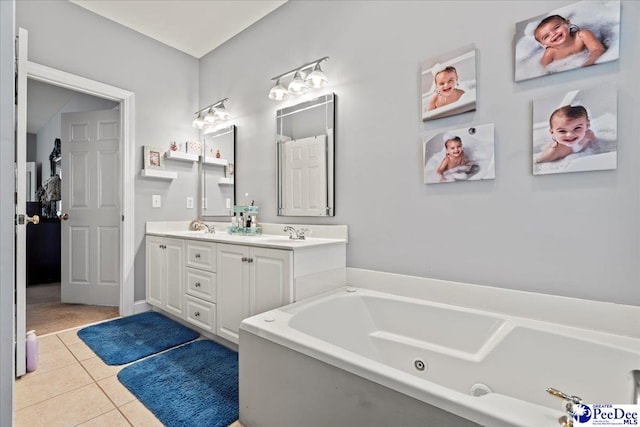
<point x="251" y="280"/>
<point x="164" y="273"/>
<point x="200" y="284"/>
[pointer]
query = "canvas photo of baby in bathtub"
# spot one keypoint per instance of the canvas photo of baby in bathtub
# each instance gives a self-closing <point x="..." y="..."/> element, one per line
<point x="574" y="36"/>
<point x="575" y="131"/>
<point x="449" y="84"/>
<point x="465" y="154"/>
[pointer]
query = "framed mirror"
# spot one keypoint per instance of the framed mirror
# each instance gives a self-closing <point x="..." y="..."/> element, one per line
<point x="306" y="141"/>
<point x="217" y="173"/>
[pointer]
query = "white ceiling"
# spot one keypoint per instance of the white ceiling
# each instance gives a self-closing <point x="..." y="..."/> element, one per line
<point x="193" y="26"/>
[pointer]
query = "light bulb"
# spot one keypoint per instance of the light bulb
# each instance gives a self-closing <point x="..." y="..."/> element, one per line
<point x="210" y="118"/>
<point x="278" y="92"/>
<point x="198" y="122"/>
<point x="317" y="79"/>
<point x="221" y="113"/>
<point x="297" y="85"/>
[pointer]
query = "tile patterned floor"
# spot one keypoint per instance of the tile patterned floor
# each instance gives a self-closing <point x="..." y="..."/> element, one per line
<point x="74" y="387"/>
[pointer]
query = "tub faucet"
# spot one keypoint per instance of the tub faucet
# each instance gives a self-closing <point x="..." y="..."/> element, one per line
<point x="570" y="403"/>
<point x="295" y="234"/>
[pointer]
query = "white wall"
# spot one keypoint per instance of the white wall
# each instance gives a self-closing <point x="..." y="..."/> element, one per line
<point x="568" y="234"/>
<point x="165" y="82"/>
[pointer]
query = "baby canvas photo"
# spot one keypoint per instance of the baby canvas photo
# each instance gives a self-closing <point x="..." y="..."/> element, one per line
<point x="574" y="36"/>
<point x="449" y="84"/>
<point x="575" y="131"/>
<point x="464" y="154"/>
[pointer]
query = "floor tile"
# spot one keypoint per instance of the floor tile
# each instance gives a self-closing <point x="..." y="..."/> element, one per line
<point x="81" y="351"/>
<point x="49" y="343"/>
<point x="100" y="370"/>
<point x="68" y="409"/>
<point x="117" y="392"/>
<point x="139" y="415"/>
<point x="111" y="419"/>
<point x="70" y="337"/>
<point x="32" y="389"/>
<point x="54" y="359"/>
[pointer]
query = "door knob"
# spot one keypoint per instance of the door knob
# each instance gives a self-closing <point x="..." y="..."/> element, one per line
<point x="33" y="219"/>
<point x="63" y="216"/>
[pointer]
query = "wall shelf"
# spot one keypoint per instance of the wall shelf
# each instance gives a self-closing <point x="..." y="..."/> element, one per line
<point x="214" y="161"/>
<point x="225" y="181"/>
<point x="182" y="156"/>
<point x="159" y="174"/>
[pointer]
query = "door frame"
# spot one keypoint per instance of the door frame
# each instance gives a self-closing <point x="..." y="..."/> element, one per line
<point x="126" y="98"/>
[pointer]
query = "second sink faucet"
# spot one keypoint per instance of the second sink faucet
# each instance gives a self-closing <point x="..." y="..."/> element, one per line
<point x="295" y="234"/>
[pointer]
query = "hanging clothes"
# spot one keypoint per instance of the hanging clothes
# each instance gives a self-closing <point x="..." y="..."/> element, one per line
<point x="52" y="191"/>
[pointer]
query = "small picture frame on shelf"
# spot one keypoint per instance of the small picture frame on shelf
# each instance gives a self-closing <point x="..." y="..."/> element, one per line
<point x="194" y="147"/>
<point x="228" y="170"/>
<point x="153" y="158"/>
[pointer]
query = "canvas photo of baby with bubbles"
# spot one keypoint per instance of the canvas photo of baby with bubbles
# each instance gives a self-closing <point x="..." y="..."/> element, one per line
<point x="570" y="37"/>
<point x="462" y="154"/>
<point x="449" y="84"/>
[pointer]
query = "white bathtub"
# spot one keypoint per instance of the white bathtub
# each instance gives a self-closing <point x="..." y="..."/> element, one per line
<point x="486" y="368"/>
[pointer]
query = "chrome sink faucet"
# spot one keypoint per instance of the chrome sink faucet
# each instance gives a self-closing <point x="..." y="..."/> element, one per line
<point x="199" y="225"/>
<point x="295" y="234"/>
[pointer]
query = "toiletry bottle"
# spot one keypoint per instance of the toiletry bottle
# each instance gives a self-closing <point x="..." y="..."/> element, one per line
<point x="234" y="221"/>
<point x="241" y="221"/>
<point x="32" y="351"/>
<point x="248" y="221"/>
<point x="254" y="222"/>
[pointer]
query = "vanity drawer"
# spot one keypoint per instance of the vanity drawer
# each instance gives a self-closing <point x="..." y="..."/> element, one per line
<point x="201" y="255"/>
<point x="201" y="284"/>
<point x="201" y="313"/>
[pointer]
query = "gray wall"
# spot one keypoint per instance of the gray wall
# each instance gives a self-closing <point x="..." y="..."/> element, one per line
<point x="165" y="81"/>
<point x="568" y="234"/>
<point x="7" y="213"/>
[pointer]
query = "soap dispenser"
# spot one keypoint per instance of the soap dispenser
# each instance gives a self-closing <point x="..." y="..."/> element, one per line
<point x="32" y="351"/>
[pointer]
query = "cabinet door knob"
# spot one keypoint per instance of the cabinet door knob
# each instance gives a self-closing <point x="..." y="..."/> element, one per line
<point x="197" y="256"/>
<point x="197" y="284"/>
<point x="197" y="314"/>
<point x="250" y="259"/>
<point x="244" y="258"/>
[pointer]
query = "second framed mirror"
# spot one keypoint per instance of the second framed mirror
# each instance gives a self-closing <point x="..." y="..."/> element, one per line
<point x="306" y="147"/>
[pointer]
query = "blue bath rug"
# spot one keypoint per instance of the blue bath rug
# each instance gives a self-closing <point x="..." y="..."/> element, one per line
<point x="131" y="338"/>
<point x="192" y="385"/>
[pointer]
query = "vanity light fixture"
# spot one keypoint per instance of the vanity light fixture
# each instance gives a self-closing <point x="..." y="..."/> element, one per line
<point x="306" y="76"/>
<point x="211" y="114"/>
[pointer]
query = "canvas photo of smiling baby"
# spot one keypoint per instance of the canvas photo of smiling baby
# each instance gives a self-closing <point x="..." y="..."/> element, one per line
<point x="575" y="131"/>
<point x="574" y="36"/>
<point x="449" y="84"/>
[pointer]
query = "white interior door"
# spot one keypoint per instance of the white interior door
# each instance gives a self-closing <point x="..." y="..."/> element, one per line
<point x="90" y="244"/>
<point x="305" y="176"/>
<point x="21" y="205"/>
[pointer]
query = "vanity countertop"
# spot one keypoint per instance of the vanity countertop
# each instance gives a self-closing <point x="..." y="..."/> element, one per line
<point x="266" y="240"/>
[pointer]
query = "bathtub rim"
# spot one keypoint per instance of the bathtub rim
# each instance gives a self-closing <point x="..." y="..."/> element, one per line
<point x="486" y="410"/>
<point x="613" y="318"/>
